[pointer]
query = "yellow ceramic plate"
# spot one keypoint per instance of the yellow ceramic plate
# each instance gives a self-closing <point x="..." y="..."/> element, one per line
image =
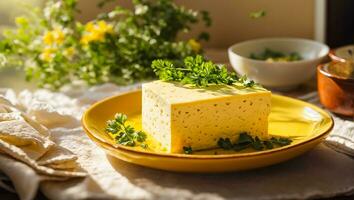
<point x="305" y="123"/>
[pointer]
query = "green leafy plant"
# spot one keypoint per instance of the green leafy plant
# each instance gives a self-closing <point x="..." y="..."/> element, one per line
<point x="197" y="71"/>
<point x="247" y="141"/>
<point x="118" y="46"/>
<point x="125" y="134"/>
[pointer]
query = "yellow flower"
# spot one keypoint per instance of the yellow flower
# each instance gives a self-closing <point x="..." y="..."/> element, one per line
<point x="96" y="31"/>
<point x="85" y="39"/>
<point x="48" y="38"/>
<point x="104" y="27"/>
<point x="69" y="52"/>
<point x="93" y="36"/>
<point x="59" y="36"/>
<point x="47" y="54"/>
<point x="97" y="36"/>
<point x="56" y="36"/>
<point x="196" y="46"/>
<point x="89" y="27"/>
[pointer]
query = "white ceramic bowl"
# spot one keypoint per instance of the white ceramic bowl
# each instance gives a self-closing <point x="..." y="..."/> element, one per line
<point x="278" y="75"/>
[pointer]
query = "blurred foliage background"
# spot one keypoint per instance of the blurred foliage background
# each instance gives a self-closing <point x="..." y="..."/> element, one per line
<point x="9" y="10"/>
<point x="231" y="23"/>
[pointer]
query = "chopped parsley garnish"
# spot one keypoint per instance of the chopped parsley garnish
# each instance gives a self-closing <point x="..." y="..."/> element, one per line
<point x="198" y="72"/>
<point x="280" y="141"/>
<point x="245" y="141"/>
<point x="188" y="150"/>
<point x="125" y="134"/>
<point x="276" y="56"/>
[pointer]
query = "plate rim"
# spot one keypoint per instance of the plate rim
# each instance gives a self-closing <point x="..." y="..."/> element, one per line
<point x="119" y="147"/>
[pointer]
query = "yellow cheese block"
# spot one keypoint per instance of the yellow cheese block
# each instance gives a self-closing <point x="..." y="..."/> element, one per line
<point x="179" y="116"/>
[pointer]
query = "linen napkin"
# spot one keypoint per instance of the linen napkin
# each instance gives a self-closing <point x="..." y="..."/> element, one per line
<point x="341" y="138"/>
<point x="320" y="173"/>
<point x="24" y="140"/>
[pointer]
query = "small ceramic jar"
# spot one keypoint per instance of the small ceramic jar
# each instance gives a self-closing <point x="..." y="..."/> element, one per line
<point x="336" y="93"/>
<point x="336" y="82"/>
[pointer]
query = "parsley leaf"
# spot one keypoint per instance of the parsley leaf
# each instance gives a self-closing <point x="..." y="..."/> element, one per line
<point x="125" y="134"/>
<point x="257" y="144"/>
<point x="225" y="143"/>
<point x="280" y="141"/>
<point x="268" y="144"/>
<point x="197" y="71"/>
<point x="244" y="138"/>
<point x="187" y="150"/>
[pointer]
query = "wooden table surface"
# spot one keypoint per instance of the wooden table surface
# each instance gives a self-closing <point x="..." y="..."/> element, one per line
<point x="10" y="78"/>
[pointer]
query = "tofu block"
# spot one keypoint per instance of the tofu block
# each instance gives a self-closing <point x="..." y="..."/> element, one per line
<point x="179" y="116"/>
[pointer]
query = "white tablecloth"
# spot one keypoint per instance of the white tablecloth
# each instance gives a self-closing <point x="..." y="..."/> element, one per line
<point x="322" y="172"/>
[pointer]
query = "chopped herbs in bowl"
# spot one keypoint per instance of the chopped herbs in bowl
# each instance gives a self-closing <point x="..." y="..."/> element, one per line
<point x="278" y="63"/>
<point x="271" y="55"/>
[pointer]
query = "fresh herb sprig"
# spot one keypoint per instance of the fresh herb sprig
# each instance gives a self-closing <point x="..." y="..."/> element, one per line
<point x="197" y="71"/>
<point x="125" y="134"/>
<point x="245" y="141"/>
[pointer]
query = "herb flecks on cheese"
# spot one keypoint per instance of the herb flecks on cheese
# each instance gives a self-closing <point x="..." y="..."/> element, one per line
<point x="180" y="115"/>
